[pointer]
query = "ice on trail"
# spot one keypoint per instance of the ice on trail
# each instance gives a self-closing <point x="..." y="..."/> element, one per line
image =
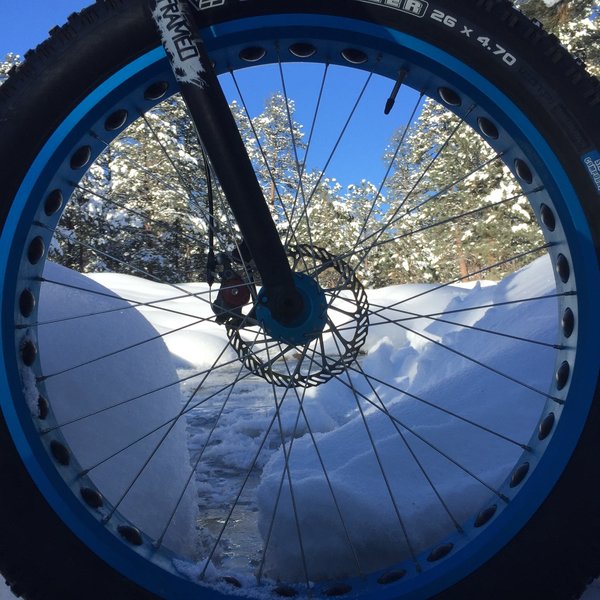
<point x="101" y="441"/>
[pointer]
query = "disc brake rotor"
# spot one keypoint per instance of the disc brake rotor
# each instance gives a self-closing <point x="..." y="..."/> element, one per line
<point x="321" y="357"/>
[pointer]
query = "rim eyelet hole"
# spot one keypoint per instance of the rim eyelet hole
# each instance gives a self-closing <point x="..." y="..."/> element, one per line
<point x="43" y="408"/>
<point x="354" y="56"/>
<point x="53" y="203"/>
<point x="338" y="590"/>
<point x="28" y="353"/>
<point x="547" y="217"/>
<point x="26" y="303"/>
<point x="523" y="171"/>
<point x="546" y="426"/>
<point x="563" y="268"/>
<point x="36" y="250"/>
<point x="253" y="54"/>
<point x="485" y="515"/>
<point x="391" y="577"/>
<point x="130" y="534"/>
<point x="81" y="157"/>
<point x="519" y="474"/>
<point x="92" y="497"/>
<point x="116" y="120"/>
<point x="449" y="97"/>
<point x="568" y="322"/>
<point x="562" y="375"/>
<point x="60" y="453"/>
<point x="439" y="552"/>
<point x="285" y="591"/>
<point x="302" y="50"/>
<point x="488" y="129"/>
<point x="156" y="91"/>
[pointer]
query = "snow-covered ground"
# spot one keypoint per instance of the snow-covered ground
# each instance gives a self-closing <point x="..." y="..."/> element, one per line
<point x="323" y="426"/>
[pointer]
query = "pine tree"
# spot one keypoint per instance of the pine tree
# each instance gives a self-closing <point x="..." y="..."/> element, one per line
<point x="141" y="208"/>
<point x="10" y="61"/>
<point x="307" y="207"/>
<point x="576" y="24"/>
<point x="457" y="204"/>
<point x="274" y="141"/>
<point x="84" y="237"/>
<point x="427" y="197"/>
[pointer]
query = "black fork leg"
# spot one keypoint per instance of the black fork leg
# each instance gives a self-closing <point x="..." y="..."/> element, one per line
<point x="221" y="139"/>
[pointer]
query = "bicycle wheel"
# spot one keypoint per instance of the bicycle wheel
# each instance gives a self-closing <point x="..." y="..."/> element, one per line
<point x="429" y="429"/>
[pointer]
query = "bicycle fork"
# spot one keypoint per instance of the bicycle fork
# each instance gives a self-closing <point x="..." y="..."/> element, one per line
<point x="219" y="136"/>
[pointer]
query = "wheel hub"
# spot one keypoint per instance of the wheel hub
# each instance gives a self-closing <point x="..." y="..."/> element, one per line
<point x="305" y="325"/>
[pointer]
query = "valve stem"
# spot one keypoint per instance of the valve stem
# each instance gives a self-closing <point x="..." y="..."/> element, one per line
<point x="402" y="73"/>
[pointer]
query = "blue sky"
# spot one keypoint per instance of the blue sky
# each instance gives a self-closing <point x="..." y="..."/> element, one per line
<point x="26" y="23"/>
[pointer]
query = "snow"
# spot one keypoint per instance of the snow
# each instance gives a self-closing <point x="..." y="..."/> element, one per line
<point x="323" y="427"/>
<point x="368" y="512"/>
<point x="77" y="389"/>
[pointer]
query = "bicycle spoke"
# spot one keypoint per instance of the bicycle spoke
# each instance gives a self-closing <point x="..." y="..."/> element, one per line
<point x="286" y="468"/>
<point x="120" y="350"/>
<point x="198" y="459"/>
<point x="308" y="145"/>
<point x="170" y="423"/>
<point x="483" y="365"/>
<point x="138" y="213"/>
<point x="260" y="146"/>
<point x="413" y="316"/>
<point x="393" y="218"/>
<point x="242" y="487"/>
<point x="187" y="186"/>
<point x="324" y="469"/>
<point x="371" y="378"/>
<point x="154" y="304"/>
<point x="468" y="276"/>
<point x="430" y="226"/>
<point x="299" y="170"/>
<point x="128" y="265"/>
<point x="392" y="161"/>
<point x="378" y="458"/>
<point x="412" y="452"/>
<point x="153" y="453"/>
<point x="152" y="175"/>
<point x="437" y="407"/>
<point x="213" y="369"/>
<point x="335" y="147"/>
<point x="420" y="437"/>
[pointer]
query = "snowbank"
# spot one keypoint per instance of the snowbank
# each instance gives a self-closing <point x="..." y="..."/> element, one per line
<point x="367" y="519"/>
<point x="183" y="311"/>
<point x="102" y="441"/>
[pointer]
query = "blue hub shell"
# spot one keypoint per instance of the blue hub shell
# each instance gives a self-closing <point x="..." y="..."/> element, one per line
<point x="308" y="324"/>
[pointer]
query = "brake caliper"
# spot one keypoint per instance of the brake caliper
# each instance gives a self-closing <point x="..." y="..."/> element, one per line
<point x="233" y="294"/>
